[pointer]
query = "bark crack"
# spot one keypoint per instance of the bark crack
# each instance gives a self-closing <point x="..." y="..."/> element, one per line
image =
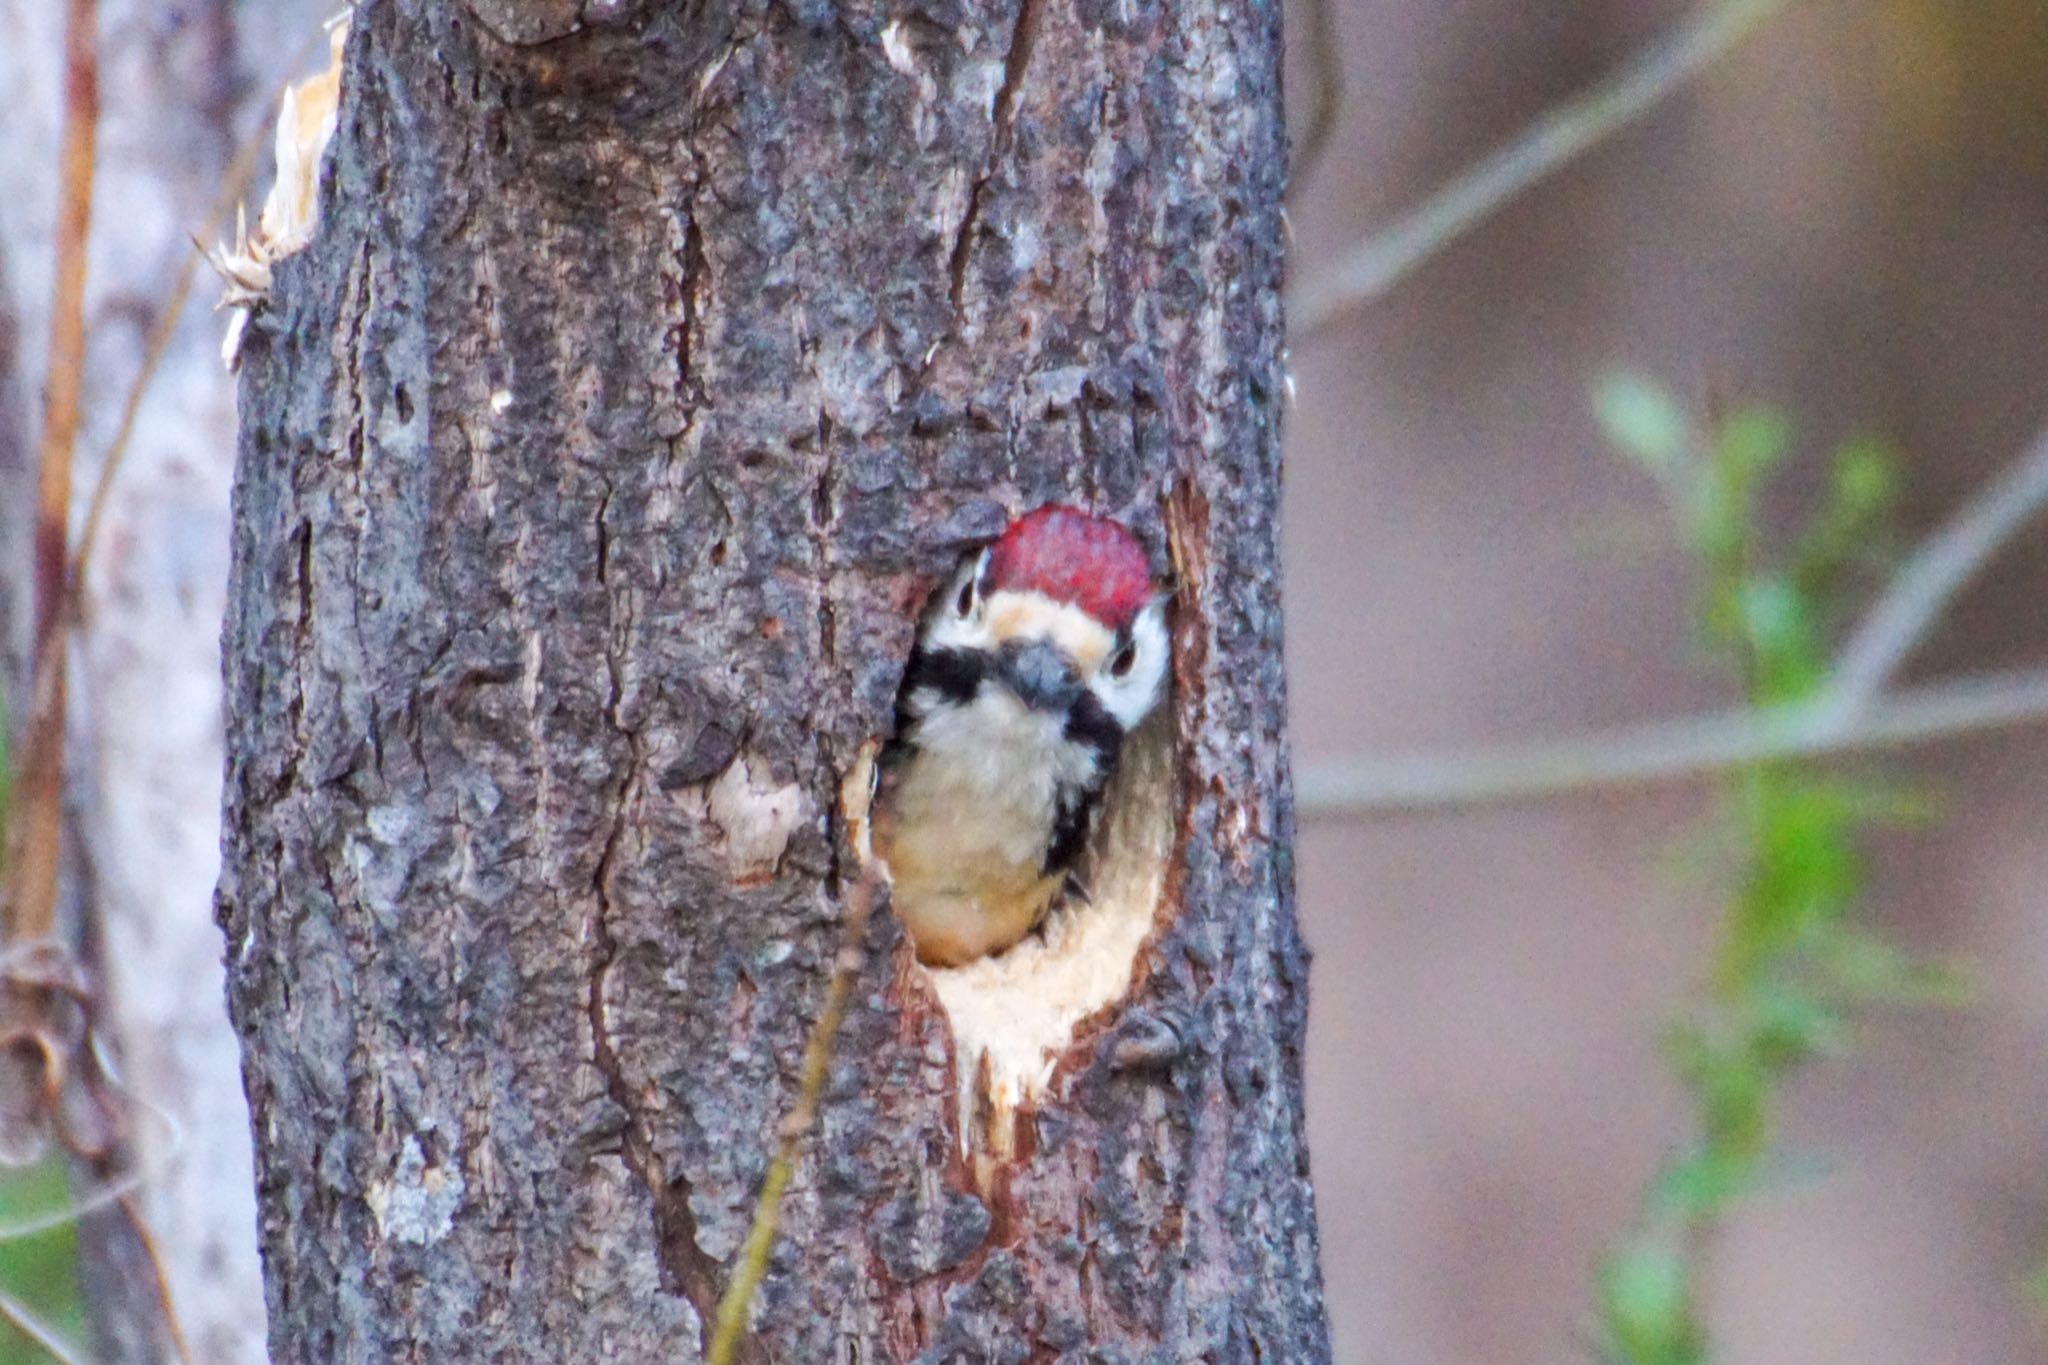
<point x="356" y="423"/>
<point x="686" y="1268"/>
<point x="692" y="264"/>
<point x="694" y="269"/>
<point x="302" y="657"/>
<point x="1023" y="38"/>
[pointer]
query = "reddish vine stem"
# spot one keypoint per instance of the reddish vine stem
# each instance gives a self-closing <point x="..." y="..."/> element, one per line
<point x="36" y="816"/>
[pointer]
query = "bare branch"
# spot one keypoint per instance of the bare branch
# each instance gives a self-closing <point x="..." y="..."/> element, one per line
<point x="152" y="1258"/>
<point x="1326" y="92"/>
<point x="1380" y="261"/>
<point x="1847" y="715"/>
<point x="1671" y="750"/>
<point x="36" y="1330"/>
<point x="1947" y="560"/>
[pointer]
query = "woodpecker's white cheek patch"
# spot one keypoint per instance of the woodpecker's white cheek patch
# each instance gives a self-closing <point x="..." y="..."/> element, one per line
<point x="1015" y="1015"/>
<point x="1131" y="698"/>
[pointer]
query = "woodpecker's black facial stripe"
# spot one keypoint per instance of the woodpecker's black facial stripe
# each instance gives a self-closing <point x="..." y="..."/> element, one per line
<point x="955" y="674"/>
<point x="1090" y="723"/>
<point x="1070" y="832"/>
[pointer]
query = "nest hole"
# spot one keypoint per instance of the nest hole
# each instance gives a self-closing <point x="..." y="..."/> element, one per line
<point x="1013" y="1016"/>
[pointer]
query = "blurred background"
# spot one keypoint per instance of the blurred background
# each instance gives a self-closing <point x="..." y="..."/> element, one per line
<point x="1845" y="217"/>
<point x="1842" y="219"/>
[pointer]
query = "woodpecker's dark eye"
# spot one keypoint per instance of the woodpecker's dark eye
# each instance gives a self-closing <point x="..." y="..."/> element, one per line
<point x="964" y="603"/>
<point x="1120" y="662"/>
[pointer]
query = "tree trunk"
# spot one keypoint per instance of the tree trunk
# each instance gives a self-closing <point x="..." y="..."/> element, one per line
<point x="645" y="372"/>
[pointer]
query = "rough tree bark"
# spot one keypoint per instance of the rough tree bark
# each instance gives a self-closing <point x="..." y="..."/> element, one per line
<point x="649" y="365"/>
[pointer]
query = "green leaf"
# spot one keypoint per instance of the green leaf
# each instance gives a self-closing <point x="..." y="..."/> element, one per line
<point x="1784" y="635"/>
<point x="1700" y="1186"/>
<point x="1864" y="482"/>
<point x="1646" y="1297"/>
<point x="1753" y="442"/>
<point x="1862" y="967"/>
<point x="41" y="1270"/>
<point x="1792" y="1026"/>
<point x="1643" y="421"/>
<point x="1849" y="530"/>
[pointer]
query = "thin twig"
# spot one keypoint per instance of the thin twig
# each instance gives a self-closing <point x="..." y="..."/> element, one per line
<point x="105" y="1197"/>
<point x="35" y="816"/>
<point x="152" y="1255"/>
<point x="1676" y="749"/>
<point x="1847" y="715"/>
<point x="66" y="376"/>
<point x="37" y="1331"/>
<point x="1913" y="600"/>
<point x="1377" y="263"/>
<point x="234" y="188"/>
<point x="731" y="1321"/>
<point x="118" y="1188"/>
<point x="1326" y="92"/>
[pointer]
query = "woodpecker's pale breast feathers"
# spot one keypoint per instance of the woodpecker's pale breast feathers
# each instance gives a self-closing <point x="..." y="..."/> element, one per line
<point x="1031" y="666"/>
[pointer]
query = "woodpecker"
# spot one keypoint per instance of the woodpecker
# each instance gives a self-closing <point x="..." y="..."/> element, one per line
<point x="1033" y="662"/>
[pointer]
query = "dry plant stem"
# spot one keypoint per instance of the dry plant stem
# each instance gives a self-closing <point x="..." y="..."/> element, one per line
<point x="730" y="1326"/>
<point x="67" y="315"/>
<point x="118" y="1189"/>
<point x="37" y="1331"/>
<point x="1379" y="262"/>
<point x="234" y="187"/>
<point x="35" y="821"/>
<point x="1674" y="750"/>
<point x="107" y="1196"/>
<point x="34" y="817"/>
<point x="34" y="824"/>
<point x="160" y="1282"/>
<point x="1913" y="601"/>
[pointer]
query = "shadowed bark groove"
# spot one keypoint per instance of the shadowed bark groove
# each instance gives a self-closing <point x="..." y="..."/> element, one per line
<point x="1002" y="135"/>
<point x="648" y="368"/>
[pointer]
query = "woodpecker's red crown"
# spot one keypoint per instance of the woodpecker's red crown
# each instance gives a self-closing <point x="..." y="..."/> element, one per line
<point x="1074" y="556"/>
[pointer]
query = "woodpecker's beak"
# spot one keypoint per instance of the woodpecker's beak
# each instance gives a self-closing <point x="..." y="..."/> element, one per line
<point x="1039" y="672"/>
